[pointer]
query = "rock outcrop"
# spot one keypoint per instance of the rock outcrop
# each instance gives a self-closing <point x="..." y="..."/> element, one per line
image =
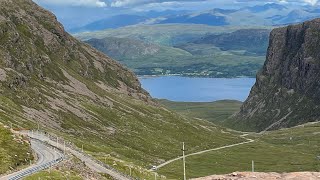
<point x="287" y="90"/>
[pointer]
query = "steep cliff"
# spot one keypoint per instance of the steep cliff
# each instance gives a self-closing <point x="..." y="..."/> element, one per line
<point x="287" y="90"/>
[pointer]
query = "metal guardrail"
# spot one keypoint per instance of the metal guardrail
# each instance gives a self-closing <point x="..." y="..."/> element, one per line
<point x="39" y="167"/>
<point x="36" y="169"/>
<point x="79" y="150"/>
<point x="75" y="148"/>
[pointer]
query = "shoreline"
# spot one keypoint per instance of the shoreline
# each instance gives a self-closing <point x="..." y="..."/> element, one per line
<point x="184" y="76"/>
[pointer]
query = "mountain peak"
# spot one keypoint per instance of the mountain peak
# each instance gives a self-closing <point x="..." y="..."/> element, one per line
<point x="266" y="7"/>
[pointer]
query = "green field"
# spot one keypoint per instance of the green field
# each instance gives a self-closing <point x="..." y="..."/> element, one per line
<point x="216" y="112"/>
<point x="14" y="151"/>
<point x="287" y="150"/>
<point x="54" y="175"/>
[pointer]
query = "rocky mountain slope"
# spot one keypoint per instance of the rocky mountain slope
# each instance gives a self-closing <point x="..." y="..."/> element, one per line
<point x="50" y="79"/>
<point x="287" y="89"/>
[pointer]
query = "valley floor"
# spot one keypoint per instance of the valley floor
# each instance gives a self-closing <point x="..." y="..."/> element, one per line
<point x="288" y="150"/>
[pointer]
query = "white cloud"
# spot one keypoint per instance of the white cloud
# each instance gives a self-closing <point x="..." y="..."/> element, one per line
<point x="122" y="3"/>
<point x="312" y="2"/>
<point x="128" y="3"/>
<point x="164" y="3"/>
<point x="88" y="3"/>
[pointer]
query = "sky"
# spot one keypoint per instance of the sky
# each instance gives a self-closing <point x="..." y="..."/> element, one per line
<point x="76" y="13"/>
<point x="154" y="3"/>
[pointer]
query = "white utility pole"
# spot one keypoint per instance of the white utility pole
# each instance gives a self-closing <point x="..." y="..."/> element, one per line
<point x="184" y="162"/>
<point x="252" y="166"/>
<point x="155" y="176"/>
<point x="64" y="147"/>
<point x="50" y="169"/>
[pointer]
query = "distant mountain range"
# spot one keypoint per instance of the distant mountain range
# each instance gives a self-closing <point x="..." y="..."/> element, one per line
<point x="267" y="15"/>
<point x="239" y="53"/>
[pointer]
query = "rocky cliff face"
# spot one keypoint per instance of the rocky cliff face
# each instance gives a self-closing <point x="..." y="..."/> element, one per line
<point x="287" y="91"/>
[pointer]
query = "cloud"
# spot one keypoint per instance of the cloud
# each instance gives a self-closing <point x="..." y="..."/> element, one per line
<point x="122" y="3"/>
<point x="128" y="3"/>
<point x="312" y="2"/>
<point x="309" y="2"/>
<point x="87" y="3"/>
<point x="166" y="3"/>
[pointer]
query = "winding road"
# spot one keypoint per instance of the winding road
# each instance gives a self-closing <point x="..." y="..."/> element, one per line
<point x="47" y="157"/>
<point x="90" y="162"/>
<point x="205" y="151"/>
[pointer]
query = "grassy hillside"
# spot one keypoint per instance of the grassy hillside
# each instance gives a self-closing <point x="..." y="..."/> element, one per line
<point x="14" y="151"/>
<point x="287" y="150"/>
<point x="49" y="78"/>
<point x="54" y="175"/>
<point x="216" y="112"/>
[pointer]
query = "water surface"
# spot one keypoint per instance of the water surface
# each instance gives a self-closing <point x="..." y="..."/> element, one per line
<point x="176" y="88"/>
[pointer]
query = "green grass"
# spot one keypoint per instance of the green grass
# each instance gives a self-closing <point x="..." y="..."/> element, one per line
<point x="146" y="146"/>
<point x="215" y="112"/>
<point x="287" y="150"/>
<point x="71" y="168"/>
<point x="14" y="152"/>
<point x="54" y="175"/>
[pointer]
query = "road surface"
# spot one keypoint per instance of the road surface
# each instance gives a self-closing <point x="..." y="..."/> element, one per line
<point x="205" y="151"/>
<point x="47" y="157"/>
<point x="90" y="162"/>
